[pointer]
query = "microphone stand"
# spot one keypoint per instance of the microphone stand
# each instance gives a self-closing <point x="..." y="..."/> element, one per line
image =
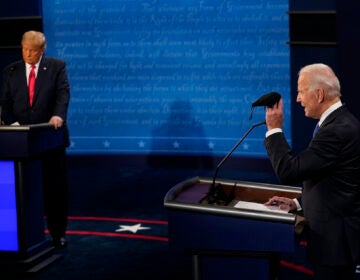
<point x="216" y="193"/>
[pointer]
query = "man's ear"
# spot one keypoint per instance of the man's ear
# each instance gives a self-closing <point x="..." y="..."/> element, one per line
<point x="320" y="95"/>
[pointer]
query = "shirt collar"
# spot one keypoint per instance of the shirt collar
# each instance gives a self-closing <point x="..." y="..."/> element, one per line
<point x="36" y="64"/>
<point x="331" y="109"/>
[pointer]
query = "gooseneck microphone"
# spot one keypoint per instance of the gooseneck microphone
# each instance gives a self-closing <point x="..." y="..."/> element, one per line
<point x="216" y="194"/>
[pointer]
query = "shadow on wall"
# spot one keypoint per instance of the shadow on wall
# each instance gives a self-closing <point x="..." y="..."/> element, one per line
<point x="180" y="141"/>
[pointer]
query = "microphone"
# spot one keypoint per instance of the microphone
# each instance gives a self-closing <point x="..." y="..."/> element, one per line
<point x="267" y="100"/>
<point x="216" y="194"/>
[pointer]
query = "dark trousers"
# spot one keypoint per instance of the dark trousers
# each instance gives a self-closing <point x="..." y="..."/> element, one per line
<point x="322" y="272"/>
<point x="55" y="191"/>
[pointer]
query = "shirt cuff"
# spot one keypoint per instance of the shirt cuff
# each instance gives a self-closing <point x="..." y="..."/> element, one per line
<point x="272" y="131"/>
<point x="298" y="206"/>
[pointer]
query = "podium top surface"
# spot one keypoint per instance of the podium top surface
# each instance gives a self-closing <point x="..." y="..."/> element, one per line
<point x="191" y="195"/>
<point x="30" y="127"/>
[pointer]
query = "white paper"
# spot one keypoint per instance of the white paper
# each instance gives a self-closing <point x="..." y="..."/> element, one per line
<point x="258" y="207"/>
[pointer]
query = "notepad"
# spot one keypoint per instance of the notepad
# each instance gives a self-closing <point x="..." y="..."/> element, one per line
<point x="258" y="207"/>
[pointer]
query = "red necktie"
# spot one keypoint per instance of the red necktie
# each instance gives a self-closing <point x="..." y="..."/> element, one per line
<point x="31" y="84"/>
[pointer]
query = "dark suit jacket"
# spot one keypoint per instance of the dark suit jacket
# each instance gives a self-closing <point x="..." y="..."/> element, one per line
<point x="330" y="171"/>
<point x="51" y="97"/>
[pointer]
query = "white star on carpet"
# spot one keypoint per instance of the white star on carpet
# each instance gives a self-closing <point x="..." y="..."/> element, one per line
<point x="133" y="228"/>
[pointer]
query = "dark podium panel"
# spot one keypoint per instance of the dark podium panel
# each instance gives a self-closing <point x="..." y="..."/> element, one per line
<point x="23" y="244"/>
<point x="232" y="240"/>
<point x="23" y="141"/>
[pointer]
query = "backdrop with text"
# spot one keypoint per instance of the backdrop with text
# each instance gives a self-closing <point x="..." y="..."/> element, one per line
<point x="169" y="77"/>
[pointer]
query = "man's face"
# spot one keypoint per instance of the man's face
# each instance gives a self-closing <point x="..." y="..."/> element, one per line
<point x="307" y="97"/>
<point x="31" y="52"/>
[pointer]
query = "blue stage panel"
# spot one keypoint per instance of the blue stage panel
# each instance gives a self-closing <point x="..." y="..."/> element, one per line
<point x="8" y="212"/>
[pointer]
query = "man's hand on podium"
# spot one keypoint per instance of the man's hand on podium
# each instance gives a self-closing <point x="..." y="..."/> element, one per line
<point x="56" y="121"/>
<point x="284" y="203"/>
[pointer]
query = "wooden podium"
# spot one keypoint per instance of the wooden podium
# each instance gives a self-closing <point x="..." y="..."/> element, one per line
<point x="23" y="244"/>
<point x="230" y="241"/>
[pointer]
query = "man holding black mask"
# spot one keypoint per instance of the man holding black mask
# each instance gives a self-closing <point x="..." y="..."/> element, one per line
<point x="329" y="169"/>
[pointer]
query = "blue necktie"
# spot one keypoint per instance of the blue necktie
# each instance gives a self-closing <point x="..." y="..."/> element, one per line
<point x="316" y="129"/>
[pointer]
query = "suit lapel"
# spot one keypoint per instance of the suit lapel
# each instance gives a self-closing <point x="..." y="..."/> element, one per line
<point x="40" y="77"/>
<point x="21" y="76"/>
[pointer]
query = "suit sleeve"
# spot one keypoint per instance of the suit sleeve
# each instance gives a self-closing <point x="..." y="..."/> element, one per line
<point x="316" y="159"/>
<point x="62" y="92"/>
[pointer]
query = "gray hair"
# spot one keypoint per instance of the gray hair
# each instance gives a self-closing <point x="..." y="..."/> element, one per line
<point x="321" y="75"/>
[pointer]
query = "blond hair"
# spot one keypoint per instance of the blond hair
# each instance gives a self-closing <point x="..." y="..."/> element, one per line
<point x="35" y="37"/>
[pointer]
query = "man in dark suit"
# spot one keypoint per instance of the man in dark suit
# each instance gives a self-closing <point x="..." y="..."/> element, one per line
<point x="329" y="169"/>
<point x="47" y="102"/>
